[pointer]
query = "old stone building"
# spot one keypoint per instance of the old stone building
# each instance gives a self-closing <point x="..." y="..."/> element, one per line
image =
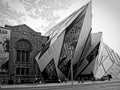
<point x="24" y="44"/>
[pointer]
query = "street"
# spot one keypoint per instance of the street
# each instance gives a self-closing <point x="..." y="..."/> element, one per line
<point x="99" y="85"/>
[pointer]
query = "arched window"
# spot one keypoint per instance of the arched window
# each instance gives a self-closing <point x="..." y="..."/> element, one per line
<point x="23" y="48"/>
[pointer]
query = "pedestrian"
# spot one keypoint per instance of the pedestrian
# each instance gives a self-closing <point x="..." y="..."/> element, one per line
<point x="3" y="81"/>
<point x="92" y="77"/>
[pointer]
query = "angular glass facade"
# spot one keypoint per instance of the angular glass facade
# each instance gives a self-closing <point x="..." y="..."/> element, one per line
<point x="49" y="73"/>
<point x="72" y="48"/>
<point x="65" y="40"/>
<point x="69" y="44"/>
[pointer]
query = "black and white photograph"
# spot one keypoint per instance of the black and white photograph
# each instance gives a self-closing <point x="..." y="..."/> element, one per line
<point x="59" y="45"/>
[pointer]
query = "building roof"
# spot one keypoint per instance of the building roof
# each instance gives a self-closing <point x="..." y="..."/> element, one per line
<point x="60" y="27"/>
<point x="22" y="25"/>
<point x="95" y="39"/>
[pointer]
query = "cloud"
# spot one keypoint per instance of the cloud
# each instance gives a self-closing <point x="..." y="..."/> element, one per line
<point x="12" y="21"/>
<point x="15" y="5"/>
<point x="37" y="24"/>
<point x="38" y="14"/>
<point x="65" y="12"/>
<point x="6" y="19"/>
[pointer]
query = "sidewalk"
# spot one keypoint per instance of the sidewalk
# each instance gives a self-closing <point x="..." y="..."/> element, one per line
<point x="59" y="84"/>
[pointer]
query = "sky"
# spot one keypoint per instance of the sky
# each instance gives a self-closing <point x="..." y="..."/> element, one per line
<point x="41" y="15"/>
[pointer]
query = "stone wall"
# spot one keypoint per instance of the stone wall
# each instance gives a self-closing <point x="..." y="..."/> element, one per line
<point x="36" y="40"/>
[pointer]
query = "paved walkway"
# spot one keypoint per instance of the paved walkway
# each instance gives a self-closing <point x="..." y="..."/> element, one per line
<point x="58" y="84"/>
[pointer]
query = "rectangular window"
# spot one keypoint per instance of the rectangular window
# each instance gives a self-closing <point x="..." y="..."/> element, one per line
<point x="27" y="71"/>
<point x="27" y="56"/>
<point x="23" y="56"/>
<point x="22" y="71"/>
<point x="18" y="55"/>
<point x="17" y="71"/>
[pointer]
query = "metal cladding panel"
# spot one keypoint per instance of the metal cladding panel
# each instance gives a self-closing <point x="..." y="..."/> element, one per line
<point x="83" y="34"/>
<point x="118" y="76"/>
<point x="107" y="64"/>
<point x="104" y="51"/>
<point x="90" y="68"/>
<point x="95" y="45"/>
<point x="91" y="58"/>
<point x="52" y="53"/>
<point x="82" y="63"/>
<point x="117" y="58"/>
<point x="82" y="66"/>
<point x="87" y="46"/>
<point x="96" y="38"/>
<point x="69" y="44"/>
<point x="57" y="45"/>
<point x="100" y="72"/>
<point x="102" y="59"/>
<point x="109" y="52"/>
<point x="103" y="55"/>
<point x="44" y="60"/>
<point x="98" y="58"/>
<point x="114" y="71"/>
<point x="109" y="61"/>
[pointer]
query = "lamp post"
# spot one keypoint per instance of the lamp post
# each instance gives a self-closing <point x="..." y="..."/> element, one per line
<point x="72" y="54"/>
<point x="71" y="71"/>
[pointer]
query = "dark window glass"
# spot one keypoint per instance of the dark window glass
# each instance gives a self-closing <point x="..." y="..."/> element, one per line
<point x="23" y="48"/>
<point x="22" y="71"/>
<point x="49" y="73"/>
<point x="18" y="55"/>
<point x="93" y="54"/>
<point x="27" y="56"/>
<point x="23" y="56"/>
<point x="27" y="71"/>
<point x="17" y="71"/>
<point x="69" y="44"/>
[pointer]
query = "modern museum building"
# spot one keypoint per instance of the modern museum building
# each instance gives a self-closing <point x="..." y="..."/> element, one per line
<point x="73" y="51"/>
<point x="68" y="50"/>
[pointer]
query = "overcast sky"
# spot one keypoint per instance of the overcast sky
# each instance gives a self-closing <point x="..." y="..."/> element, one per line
<point x="41" y="15"/>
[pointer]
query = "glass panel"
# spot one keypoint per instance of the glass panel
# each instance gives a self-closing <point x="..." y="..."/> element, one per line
<point x="27" y="71"/>
<point x="23" y="56"/>
<point x="49" y="73"/>
<point x="93" y="54"/>
<point x="91" y="57"/>
<point x="22" y="71"/>
<point x="27" y="56"/>
<point x="17" y="71"/>
<point x="69" y="44"/>
<point x="18" y="55"/>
